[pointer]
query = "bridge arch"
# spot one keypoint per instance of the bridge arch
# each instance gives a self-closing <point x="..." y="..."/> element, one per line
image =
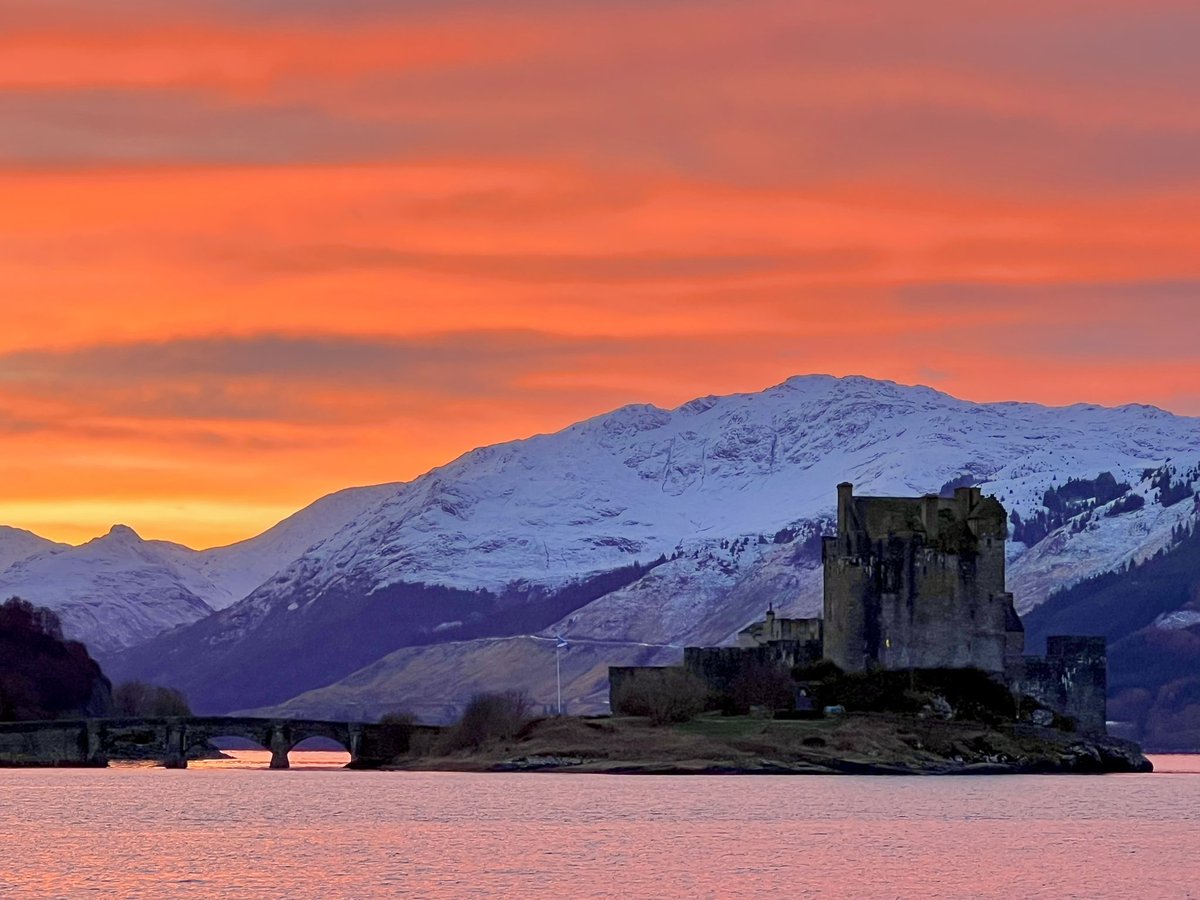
<point x="196" y="740"/>
<point x="326" y="744"/>
<point x="279" y="736"/>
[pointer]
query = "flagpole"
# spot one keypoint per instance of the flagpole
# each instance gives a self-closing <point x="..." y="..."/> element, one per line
<point x="560" y="644"/>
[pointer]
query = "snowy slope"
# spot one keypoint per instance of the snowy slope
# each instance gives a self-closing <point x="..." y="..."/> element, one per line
<point x="17" y="544"/>
<point x="239" y="568"/>
<point x="642" y="481"/>
<point x="119" y="590"/>
<point x="1098" y="542"/>
<point x="114" y="590"/>
<point x="713" y="485"/>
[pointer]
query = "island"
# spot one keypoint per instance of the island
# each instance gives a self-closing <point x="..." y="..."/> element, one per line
<point x="916" y="666"/>
<point x="930" y="741"/>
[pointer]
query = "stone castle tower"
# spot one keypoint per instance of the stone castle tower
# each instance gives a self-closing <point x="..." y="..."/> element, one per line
<point x="914" y="583"/>
<point x="919" y="583"/>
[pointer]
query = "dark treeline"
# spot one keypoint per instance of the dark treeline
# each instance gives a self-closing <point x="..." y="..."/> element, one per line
<point x="138" y="699"/>
<point x="1116" y="604"/>
<point x="43" y="675"/>
<point x="1078" y="495"/>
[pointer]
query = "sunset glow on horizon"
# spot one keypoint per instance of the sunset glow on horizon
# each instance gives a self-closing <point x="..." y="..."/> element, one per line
<point x="254" y="252"/>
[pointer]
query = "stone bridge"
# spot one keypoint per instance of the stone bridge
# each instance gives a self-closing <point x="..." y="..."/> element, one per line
<point x="91" y="742"/>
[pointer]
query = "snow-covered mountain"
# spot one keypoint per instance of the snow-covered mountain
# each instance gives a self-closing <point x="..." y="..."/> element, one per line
<point x="17" y="544"/>
<point x="120" y="590"/>
<point x="721" y="498"/>
<point x="642" y="481"/>
<point x="239" y="568"/>
<point x="112" y="591"/>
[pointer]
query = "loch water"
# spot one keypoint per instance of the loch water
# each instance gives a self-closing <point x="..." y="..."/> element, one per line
<point x="231" y="828"/>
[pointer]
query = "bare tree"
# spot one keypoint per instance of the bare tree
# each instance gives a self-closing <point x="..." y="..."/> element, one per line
<point x="665" y="696"/>
<point x="489" y="717"/>
<point x="138" y="699"/>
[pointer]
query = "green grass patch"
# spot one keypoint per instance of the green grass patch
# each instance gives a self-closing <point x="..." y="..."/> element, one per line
<point x="724" y="726"/>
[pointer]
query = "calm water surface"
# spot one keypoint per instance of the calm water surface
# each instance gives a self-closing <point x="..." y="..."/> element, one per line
<point x="233" y="829"/>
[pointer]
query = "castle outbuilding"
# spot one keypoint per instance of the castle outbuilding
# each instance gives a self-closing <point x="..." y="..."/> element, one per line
<point x="774" y="629"/>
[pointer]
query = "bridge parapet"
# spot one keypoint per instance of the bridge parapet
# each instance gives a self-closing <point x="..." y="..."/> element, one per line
<point x="89" y="742"/>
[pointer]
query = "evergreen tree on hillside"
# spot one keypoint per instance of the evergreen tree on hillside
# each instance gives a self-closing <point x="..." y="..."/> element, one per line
<point x="43" y="675"/>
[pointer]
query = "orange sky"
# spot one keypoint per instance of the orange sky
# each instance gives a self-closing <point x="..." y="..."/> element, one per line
<point x="252" y="251"/>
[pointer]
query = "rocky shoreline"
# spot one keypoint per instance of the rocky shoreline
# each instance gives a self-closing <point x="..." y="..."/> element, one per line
<point x="863" y="744"/>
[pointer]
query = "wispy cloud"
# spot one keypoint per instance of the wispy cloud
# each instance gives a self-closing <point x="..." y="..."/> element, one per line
<point x="286" y="246"/>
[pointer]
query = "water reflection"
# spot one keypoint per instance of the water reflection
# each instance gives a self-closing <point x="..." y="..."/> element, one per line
<point x="1176" y="764"/>
<point x="231" y="828"/>
<point x="261" y="759"/>
<point x="253" y="759"/>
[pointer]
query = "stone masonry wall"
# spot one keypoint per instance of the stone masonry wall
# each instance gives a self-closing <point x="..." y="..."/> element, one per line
<point x="917" y="583"/>
<point x="73" y="743"/>
<point x="719" y="667"/>
<point x="1072" y="680"/>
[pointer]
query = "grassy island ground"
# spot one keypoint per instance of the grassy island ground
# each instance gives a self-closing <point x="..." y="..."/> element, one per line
<point x="853" y="743"/>
<point x="813" y="720"/>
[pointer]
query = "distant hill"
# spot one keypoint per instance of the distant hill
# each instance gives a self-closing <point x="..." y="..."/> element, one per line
<point x="119" y="590"/>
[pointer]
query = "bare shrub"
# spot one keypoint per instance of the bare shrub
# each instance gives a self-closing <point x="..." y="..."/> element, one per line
<point x="138" y="699"/>
<point x="489" y="717"/>
<point x="762" y="684"/>
<point x="425" y="743"/>
<point x="669" y="695"/>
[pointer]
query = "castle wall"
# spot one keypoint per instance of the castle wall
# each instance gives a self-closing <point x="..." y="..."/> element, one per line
<point x="908" y="607"/>
<point x="1014" y="641"/>
<point x="1072" y="680"/>
<point x="845" y="613"/>
<point x="773" y="628"/>
<point x="941" y="614"/>
<point x="719" y="667"/>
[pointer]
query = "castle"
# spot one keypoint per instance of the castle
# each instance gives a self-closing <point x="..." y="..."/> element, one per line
<point x="919" y="583"/>
<point x="915" y="583"/>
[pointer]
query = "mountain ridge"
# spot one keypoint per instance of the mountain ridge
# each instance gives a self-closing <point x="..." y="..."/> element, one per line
<point x="726" y="490"/>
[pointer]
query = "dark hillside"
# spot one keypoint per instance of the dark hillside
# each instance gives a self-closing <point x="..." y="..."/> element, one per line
<point x="1116" y="604"/>
<point x="222" y="665"/>
<point x="42" y="675"/>
<point x="1154" y="669"/>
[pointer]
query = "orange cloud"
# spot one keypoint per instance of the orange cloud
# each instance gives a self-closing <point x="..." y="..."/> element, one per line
<point x="254" y="251"/>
